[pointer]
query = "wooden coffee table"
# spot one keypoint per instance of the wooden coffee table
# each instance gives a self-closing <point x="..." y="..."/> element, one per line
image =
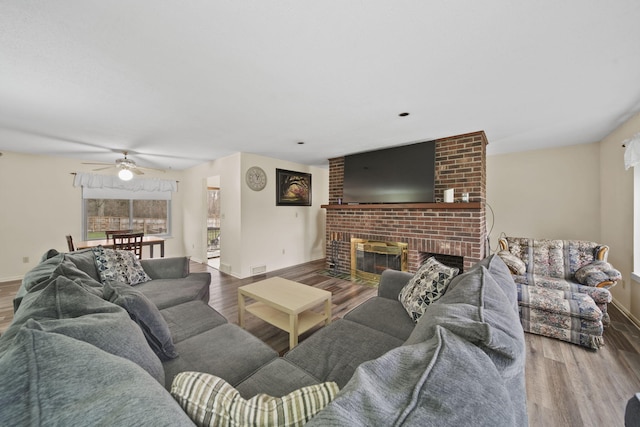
<point x="285" y="304"/>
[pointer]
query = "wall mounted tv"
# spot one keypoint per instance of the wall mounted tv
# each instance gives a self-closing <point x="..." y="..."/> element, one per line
<point x="403" y="174"/>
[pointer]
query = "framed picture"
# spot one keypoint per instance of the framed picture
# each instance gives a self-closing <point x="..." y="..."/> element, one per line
<point x="293" y="188"/>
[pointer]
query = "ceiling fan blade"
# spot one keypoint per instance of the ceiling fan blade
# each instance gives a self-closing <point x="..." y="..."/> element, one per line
<point x="101" y="169"/>
<point x="101" y="163"/>
<point x="137" y="171"/>
<point x="152" y="169"/>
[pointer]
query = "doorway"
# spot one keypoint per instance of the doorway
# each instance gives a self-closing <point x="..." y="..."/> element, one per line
<point x="213" y="227"/>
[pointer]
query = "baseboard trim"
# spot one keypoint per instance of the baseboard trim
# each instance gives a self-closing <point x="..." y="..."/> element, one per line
<point x="627" y="314"/>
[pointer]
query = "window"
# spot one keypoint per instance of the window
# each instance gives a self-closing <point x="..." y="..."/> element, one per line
<point x="149" y="216"/>
<point x="141" y="205"/>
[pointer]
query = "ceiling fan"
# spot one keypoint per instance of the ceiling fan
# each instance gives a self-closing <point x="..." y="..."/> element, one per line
<point x="125" y="166"/>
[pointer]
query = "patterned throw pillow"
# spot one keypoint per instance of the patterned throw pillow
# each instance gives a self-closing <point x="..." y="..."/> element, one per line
<point x="597" y="272"/>
<point x="121" y="266"/>
<point x="515" y="264"/>
<point x="133" y="269"/>
<point x="109" y="266"/>
<point x="425" y="287"/>
<point x="211" y="401"/>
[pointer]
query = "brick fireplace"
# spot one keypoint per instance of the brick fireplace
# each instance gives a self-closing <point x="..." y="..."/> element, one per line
<point x="455" y="230"/>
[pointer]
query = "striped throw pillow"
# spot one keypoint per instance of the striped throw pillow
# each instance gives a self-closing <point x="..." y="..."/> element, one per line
<point x="211" y="401"/>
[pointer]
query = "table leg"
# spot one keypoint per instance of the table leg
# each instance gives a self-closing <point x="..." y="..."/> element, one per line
<point x="241" y="309"/>
<point x="162" y="249"/>
<point x="293" y="330"/>
<point x="151" y="250"/>
<point x="327" y="310"/>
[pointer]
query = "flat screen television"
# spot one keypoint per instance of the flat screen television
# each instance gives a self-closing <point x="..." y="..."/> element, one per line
<point x="403" y="174"/>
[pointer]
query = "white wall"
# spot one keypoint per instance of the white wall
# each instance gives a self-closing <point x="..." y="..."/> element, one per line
<point x="616" y="188"/>
<point x="254" y="231"/>
<point x="552" y="193"/>
<point x="40" y="206"/>
<point x="575" y="192"/>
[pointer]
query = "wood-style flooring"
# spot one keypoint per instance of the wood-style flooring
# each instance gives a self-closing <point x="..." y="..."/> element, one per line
<point x="567" y="385"/>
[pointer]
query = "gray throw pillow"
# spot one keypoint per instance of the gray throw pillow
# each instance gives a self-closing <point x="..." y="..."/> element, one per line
<point x="51" y="379"/>
<point x="146" y="315"/>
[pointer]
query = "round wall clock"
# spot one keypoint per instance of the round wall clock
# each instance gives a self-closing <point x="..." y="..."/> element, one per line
<point x="256" y="178"/>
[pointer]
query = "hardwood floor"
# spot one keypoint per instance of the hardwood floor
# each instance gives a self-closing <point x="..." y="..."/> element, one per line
<point x="567" y="385"/>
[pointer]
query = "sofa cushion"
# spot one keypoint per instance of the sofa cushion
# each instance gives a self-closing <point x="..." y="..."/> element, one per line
<point x="211" y="401"/>
<point x="34" y="278"/>
<point x="112" y="332"/>
<point x="169" y="292"/>
<point x="476" y="309"/>
<point x="276" y="378"/>
<point x="425" y="287"/>
<point x="426" y="384"/>
<point x="190" y="319"/>
<point x="335" y="351"/>
<point x="58" y="297"/>
<point x="211" y="353"/>
<point x="51" y="379"/>
<point x="145" y="314"/>
<point x="394" y="320"/>
<point x="503" y="277"/>
<point x="84" y="260"/>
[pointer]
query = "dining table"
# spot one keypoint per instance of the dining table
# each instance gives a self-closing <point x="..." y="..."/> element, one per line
<point x="149" y="241"/>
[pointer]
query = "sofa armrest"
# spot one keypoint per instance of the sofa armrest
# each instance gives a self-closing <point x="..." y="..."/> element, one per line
<point x="166" y="268"/>
<point x="391" y="282"/>
<point x="599" y="274"/>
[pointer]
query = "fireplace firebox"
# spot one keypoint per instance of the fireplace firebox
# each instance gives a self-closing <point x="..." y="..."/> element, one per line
<point x="370" y="258"/>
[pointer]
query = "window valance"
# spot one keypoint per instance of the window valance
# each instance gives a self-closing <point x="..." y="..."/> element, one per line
<point x="112" y="187"/>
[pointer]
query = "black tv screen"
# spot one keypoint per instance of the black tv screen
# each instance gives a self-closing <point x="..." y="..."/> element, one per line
<point x="404" y="174"/>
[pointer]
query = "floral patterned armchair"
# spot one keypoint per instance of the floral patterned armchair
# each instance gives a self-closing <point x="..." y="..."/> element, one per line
<point x="563" y="287"/>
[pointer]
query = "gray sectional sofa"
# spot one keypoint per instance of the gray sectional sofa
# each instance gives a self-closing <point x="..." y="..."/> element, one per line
<point x="72" y="357"/>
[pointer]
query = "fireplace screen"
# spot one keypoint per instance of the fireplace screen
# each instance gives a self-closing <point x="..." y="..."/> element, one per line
<point x="370" y="258"/>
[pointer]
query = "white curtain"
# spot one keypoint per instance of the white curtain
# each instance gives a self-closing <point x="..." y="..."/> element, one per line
<point x="632" y="152"/>
<point x="112" y="187"/>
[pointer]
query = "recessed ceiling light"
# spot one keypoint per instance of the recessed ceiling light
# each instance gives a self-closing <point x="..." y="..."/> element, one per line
<point x="403" y="114"/>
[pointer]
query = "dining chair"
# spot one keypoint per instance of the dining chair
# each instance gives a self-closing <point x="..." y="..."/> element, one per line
<point x="110" y="233"/>
<point x="70" y="243"/>
<point x="129" y="242"/>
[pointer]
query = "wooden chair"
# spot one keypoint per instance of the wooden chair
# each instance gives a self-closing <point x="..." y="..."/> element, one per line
<point x="129" y="242"/>
<point x="70" y="243"/>
<point x="111" y="233"/>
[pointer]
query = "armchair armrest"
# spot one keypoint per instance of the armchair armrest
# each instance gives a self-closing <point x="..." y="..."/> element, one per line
<point x="391" y="282"/>
<point x="166" y="268"/>
<point x="598" y="274"/>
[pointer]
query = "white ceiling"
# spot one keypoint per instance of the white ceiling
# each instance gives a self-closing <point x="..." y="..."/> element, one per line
<point x="179" y="83"/>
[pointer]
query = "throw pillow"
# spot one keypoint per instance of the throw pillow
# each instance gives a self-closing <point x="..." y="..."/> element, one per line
<point x="425" y="287"/>
<point x="597" y="272"/>
<point x="121" y="266"/>
<point x="211" y="401"/>
<point x="132" y="267"/>
<point x="515" y="264"/>
<point x="146" y="315"/>
<point x="109" y="266"/>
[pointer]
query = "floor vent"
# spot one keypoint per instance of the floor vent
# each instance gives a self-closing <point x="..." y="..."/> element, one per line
<point x="260" y="269"/>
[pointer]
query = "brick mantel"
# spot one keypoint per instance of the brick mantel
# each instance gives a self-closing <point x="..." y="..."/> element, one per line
<point x="445" y="228"/>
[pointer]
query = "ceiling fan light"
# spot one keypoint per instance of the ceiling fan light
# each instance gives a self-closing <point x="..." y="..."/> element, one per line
<point x="125" y="174"/>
